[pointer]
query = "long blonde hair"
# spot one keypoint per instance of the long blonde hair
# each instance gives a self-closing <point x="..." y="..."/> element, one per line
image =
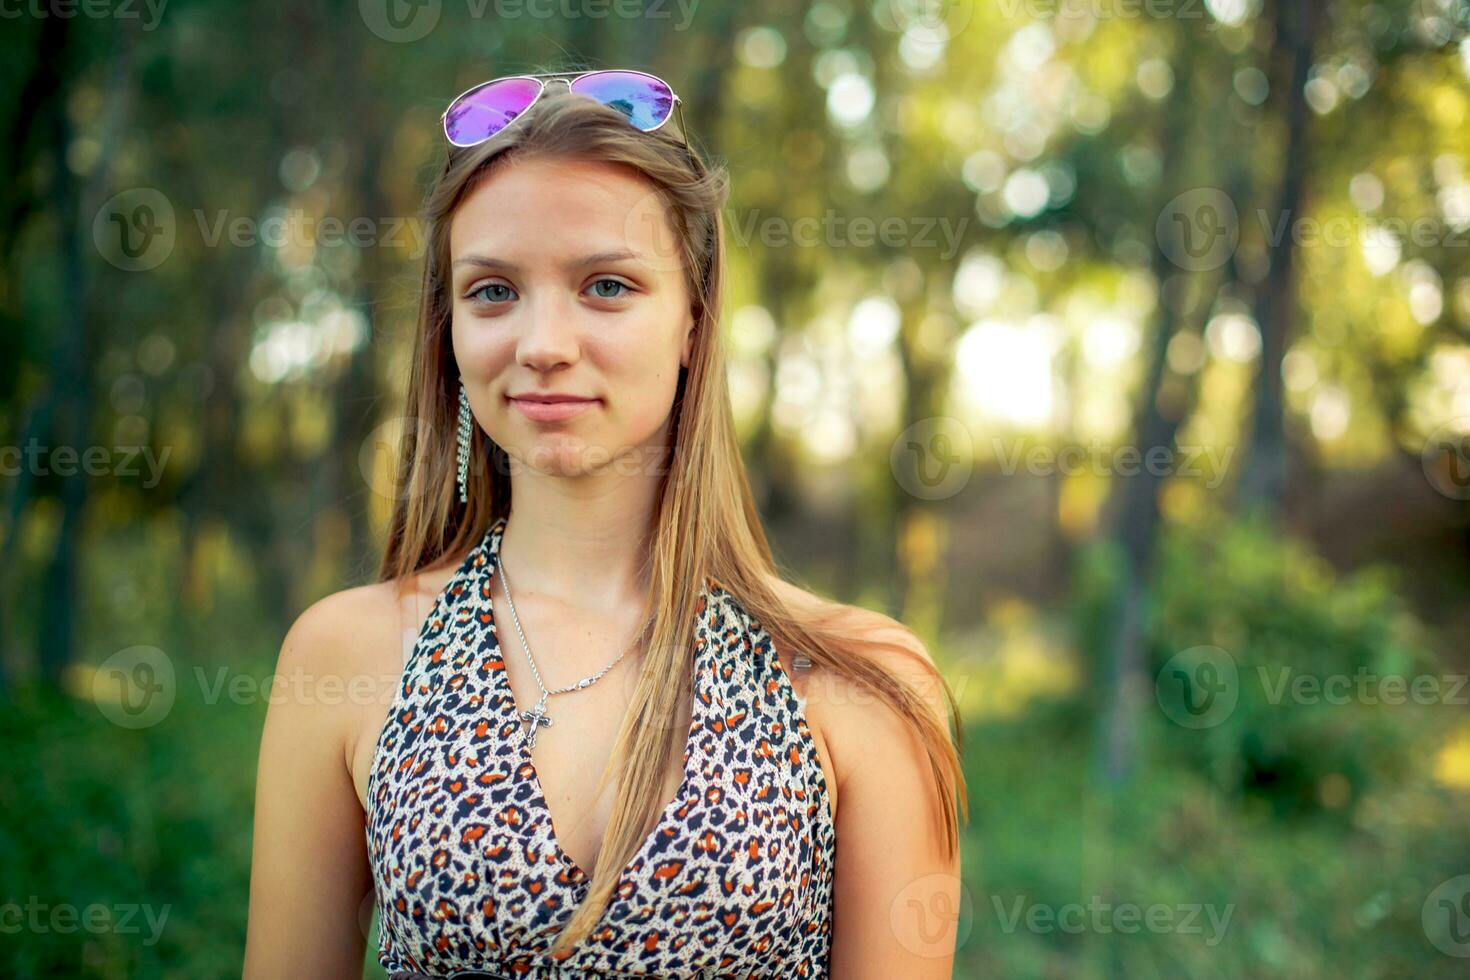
<point x="705" y="525"/>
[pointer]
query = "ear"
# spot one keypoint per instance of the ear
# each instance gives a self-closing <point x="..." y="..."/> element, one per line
<point x="688" y="350"/>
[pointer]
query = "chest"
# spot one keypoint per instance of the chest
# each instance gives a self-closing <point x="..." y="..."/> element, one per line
<point x="479" y="841"/>
<point x="574" y="736"/>
<point x="571" y="753"/>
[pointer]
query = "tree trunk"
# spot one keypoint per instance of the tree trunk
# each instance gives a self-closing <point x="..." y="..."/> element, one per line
<point x="1263" y="481"/>
<point x="56" y="633"/>
<point x="1137" y="493"/>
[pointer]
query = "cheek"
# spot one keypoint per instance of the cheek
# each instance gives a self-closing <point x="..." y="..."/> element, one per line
<point x="477" y="351"/>
<point x="641" y="381"/>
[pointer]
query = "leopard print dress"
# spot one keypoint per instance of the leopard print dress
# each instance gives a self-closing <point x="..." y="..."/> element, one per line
<point x="735" y="879"/>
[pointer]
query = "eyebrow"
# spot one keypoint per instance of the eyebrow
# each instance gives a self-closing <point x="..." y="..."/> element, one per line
<point x="597" y="258"/>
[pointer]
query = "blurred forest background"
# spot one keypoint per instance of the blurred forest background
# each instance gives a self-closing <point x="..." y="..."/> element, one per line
<point x="1121" y="348"/>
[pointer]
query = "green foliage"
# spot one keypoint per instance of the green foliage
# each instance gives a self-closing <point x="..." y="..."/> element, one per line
<point x="1270" y="674"/>
<point x="151" y="825"/>
<point x="1334" y="675"/>
<point x="1236" y="891"/>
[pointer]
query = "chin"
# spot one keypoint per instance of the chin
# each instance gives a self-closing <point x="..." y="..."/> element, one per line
<point x="567" y="455"/>
<point x="561" y="454"/>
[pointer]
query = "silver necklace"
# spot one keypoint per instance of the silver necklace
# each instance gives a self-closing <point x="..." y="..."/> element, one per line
<point x="537" y="716"/>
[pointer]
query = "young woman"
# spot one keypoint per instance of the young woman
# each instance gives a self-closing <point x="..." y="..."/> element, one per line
<point x="582" y="727"/>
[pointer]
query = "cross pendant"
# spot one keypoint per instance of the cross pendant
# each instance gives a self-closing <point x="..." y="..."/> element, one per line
<point x="537" y="716"/>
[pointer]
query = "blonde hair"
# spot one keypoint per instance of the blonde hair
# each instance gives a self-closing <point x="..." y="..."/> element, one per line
<point x="706" y="527"/>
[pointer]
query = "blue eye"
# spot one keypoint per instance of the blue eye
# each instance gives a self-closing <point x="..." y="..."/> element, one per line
<point x="493" y="298"/>
<point x="608" y="282"/>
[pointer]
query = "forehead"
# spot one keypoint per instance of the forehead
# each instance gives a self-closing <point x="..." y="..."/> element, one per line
<point x="524" y="208"/>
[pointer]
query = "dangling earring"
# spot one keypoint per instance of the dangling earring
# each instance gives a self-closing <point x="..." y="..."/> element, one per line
<point x="464" y="444"/>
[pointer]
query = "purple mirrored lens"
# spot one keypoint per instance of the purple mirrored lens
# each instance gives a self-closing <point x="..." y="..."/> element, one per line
<point x="645" y="100"/>
<point x="481" y="113"/>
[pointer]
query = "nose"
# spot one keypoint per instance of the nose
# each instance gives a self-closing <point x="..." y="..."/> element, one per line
<point x="548" y="335"/>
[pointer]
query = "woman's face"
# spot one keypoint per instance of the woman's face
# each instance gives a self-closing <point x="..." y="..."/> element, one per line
<point x="565" y="280"/>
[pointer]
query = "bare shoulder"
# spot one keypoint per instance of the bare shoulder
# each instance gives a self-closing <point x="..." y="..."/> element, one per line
<point x="343" y="656"/>
<point x="339" y="629"/>
<point x="329" y="634"/>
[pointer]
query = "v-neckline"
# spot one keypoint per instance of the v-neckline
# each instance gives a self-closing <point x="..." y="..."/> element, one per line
<point x="501" y="681"/>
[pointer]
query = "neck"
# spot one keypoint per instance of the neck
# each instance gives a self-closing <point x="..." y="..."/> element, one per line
<point x="579" y="542"/>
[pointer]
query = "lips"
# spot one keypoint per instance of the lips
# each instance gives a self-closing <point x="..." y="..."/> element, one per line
<point x="551" y="408"/>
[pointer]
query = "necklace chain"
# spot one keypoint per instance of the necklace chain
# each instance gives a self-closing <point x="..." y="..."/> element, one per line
<point x="537" y="716"/>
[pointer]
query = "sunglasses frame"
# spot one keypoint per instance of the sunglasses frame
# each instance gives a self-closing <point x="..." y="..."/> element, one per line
<point x="569" y="77"/>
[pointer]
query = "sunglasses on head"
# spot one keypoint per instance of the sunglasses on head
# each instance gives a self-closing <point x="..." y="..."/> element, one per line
<point x="481" y="112"/>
